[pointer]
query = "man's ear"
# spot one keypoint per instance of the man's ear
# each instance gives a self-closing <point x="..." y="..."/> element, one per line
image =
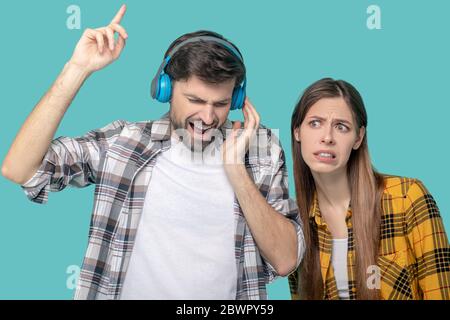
<point x="297" y="134"/>
<point x="362" y="132"/>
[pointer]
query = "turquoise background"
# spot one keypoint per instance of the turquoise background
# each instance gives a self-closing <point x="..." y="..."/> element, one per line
<point x="401" y="71"/>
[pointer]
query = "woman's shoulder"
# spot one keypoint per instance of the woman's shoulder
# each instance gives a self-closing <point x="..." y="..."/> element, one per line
<point x="403" y="186"/>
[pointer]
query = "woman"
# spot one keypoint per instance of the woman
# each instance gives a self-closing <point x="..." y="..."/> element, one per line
<point x="368" y="235"/>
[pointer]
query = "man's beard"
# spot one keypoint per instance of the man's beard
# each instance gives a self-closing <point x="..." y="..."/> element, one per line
<point x="187" y="137"/>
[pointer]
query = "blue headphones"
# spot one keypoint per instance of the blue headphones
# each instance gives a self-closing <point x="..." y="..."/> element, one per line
<point x="161" y="88"/>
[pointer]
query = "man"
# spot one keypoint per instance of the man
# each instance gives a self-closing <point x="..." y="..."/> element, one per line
<point x="164" y="226"/>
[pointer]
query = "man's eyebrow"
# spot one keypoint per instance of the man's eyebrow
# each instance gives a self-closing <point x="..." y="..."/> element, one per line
<point x="193" y="96"/>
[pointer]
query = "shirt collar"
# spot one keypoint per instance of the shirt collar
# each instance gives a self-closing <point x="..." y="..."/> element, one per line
<point x="314" y="213"/>
<point x="161" y="129"/>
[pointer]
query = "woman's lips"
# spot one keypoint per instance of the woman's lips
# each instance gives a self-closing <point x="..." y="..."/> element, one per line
<point x="325" y="156"/>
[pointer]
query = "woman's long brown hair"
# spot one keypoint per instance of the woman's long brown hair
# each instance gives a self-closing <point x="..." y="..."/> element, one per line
<point x="366" y="186"/>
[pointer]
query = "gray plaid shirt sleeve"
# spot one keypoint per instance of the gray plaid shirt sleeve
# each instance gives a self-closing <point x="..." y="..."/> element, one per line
<point x="278" y="198"/>
<point x="71" y="161"/>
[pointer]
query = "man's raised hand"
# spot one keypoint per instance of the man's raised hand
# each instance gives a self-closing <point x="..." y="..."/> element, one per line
<point x="97" y="47"/>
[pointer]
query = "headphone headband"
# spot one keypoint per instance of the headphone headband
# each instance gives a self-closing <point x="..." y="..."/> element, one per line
<point x="223" y="42"/>
<point x="161" y="87"/>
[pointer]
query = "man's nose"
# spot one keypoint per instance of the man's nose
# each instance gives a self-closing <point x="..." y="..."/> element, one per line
<point x="207" y="114"/>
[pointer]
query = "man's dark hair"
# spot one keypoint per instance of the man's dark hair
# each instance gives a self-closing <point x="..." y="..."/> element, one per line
<point x="209" y="61"/>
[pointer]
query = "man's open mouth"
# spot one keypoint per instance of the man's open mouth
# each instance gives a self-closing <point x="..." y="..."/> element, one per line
<point x="198" y="127"/>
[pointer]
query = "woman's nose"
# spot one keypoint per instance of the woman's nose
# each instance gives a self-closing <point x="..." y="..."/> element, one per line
<point x="327" y="137"/>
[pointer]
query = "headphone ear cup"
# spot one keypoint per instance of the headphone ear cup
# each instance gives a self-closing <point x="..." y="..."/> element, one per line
<point x="237" y="102"/>
<point x="165" y="88"/>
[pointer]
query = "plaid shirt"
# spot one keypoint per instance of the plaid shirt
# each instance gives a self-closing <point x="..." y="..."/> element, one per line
<point x="414" y="256"/>
<point x="119" y="159"/>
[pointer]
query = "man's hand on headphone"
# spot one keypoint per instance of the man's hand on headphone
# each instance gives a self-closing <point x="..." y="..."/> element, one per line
<point x="97" y="47"/>
<point x="238" y="142"/>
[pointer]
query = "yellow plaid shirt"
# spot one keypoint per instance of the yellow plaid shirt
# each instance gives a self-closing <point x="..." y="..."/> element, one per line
<point x="414" y="256"/>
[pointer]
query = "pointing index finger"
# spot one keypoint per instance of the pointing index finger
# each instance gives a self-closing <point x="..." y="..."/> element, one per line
<point x="119" y="14"/>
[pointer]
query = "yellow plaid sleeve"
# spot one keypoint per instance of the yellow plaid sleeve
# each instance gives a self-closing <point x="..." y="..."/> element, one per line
<point x="428" y="241"/>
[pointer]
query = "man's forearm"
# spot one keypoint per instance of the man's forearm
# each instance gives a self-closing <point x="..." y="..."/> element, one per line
<point x="274" y="234"/>
<point x="35" y="135"/>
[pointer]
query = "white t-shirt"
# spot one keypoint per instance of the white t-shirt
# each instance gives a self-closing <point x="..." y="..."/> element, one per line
<point x="339" y="261"/>
<point x="184" y="246"/>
